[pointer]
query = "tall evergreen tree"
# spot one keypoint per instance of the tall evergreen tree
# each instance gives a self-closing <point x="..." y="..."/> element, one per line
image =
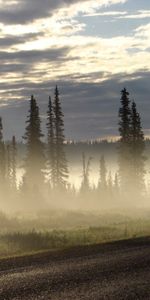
<point x="34" y="163"/>
<point x="137" y="150"/>
<point x="124" y="114"/>
<point x="51" y="142"/>
<point x="125" y="139"/>
<point x="61" y="169"/>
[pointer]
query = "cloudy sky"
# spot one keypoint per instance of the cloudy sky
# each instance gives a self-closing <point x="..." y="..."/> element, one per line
<point x="91" y="49"/>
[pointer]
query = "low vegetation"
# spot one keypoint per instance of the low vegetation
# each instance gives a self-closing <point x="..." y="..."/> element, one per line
<point x="20" y="236"/>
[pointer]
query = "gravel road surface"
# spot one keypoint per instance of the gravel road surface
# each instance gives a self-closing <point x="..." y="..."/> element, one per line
<point x="118" y="270"/>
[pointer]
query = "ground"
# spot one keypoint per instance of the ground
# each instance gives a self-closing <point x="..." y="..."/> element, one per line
<point x="118" y="270"/>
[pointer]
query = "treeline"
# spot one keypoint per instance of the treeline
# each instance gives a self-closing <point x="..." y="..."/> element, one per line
<point x="45" y="178"/>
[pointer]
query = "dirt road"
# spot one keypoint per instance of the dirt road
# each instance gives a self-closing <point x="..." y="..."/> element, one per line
<point x="119" y="270"/>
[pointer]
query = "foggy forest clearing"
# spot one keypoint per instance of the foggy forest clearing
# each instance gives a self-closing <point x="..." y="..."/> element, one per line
<point x="46" y="212"/>
<point x="45" y="182"/>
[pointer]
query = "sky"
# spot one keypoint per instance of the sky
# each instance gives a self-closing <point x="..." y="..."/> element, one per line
<point x="90" y="49"/>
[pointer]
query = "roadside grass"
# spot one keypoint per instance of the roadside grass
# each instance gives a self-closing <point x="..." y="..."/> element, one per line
<point x="19" y="243"/>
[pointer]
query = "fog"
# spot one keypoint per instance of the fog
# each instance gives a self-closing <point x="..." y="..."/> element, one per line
<point x="91" y="207"/>
<point x="85" y="189"/>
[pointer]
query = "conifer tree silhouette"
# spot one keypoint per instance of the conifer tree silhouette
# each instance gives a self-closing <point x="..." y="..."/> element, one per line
<point x="35" y="159"/>
<point x="137" y="150"/>
<point x="125" y="140"/>
<point x="61" y="169"/>
<point x="51" y="143"/>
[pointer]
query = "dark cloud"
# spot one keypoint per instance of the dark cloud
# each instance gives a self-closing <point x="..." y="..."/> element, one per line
<point x="14" y="68"/>
<point x="91" y="109"/>
<point x="35" y="55"/>
<point x="25" y="62"/>
<point x="26" y="11"/>
<point x="11" y="40"/>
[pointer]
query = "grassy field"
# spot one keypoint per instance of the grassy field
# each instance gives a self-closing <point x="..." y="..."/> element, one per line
<point x="18" y="243"/>
<point x="21" y="234"/>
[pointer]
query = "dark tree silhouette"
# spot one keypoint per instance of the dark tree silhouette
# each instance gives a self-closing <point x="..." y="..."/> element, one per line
<point x="137" y="150"/>
<point x="34" y="163"/>
<point x="125" y="139"/>
<point x="51" y="143"/>
<point x="61" y="169"/>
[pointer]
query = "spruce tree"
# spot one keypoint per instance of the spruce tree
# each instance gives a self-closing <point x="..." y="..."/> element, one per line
<point x="137" y="150"/>
<point x="61" y="169"/>
<point x="51" y="142"/>
<point x="124" y="115"/>
<point x="125" y="139"/>
<point x="34" y="163"/>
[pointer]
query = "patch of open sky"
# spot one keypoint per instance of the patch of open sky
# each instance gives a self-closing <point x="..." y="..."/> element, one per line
<point x="131" y="6"/>
<point x="110" y="26"/>
<point x="134" y="5"/>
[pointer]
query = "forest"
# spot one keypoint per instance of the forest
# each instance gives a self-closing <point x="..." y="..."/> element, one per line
<point x="45" y="166"/>
<point x="56" y="193"/>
